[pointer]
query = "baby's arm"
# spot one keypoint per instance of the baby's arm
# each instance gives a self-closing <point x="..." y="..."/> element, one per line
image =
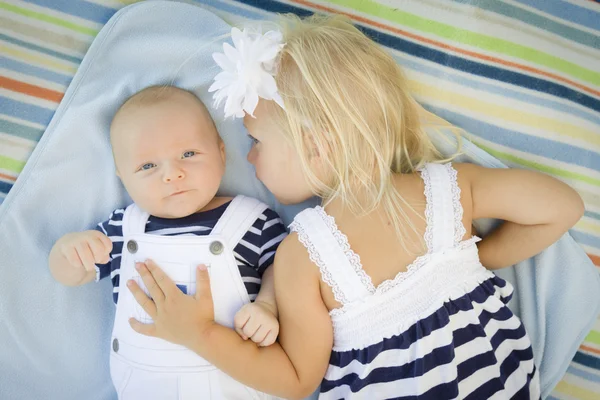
<point x="74" y="256"/>
<point x="258" y="321"/>
<point x="537" y="208"/>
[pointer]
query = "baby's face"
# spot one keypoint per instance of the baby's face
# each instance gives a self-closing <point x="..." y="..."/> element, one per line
<point x="169" y="157"/>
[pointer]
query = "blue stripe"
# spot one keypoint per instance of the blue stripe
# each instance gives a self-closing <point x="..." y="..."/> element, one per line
<point x="452" y="61"/>
<point x="550" y="149"/>
<point x="24" y="111"/>
<point x="587" y="360"/>
<point x="276" y="7"/>
<point x="82" y="9"/>
<point x="474" y="364"/>
<point x="28" y="69"/>
<point x="5" y="186"/>
<point x="585" y="238"/>
<point x="439" y="72"/>
<point x="567" y="11"/>
<point x="231" y="9"/>
<point x="591" y="214"/>
<point x="40" y="49"/>
<point x="590" y="376"/>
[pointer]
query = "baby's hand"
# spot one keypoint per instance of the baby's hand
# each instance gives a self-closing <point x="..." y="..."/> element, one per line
<point x="258" y="322"/>
<point x="85" y="249"/>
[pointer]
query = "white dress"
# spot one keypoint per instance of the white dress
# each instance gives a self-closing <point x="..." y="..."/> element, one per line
<point x="440" y="330"/>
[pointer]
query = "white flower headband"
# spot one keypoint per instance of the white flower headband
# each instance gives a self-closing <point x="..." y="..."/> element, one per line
<point x="248" y="70"/>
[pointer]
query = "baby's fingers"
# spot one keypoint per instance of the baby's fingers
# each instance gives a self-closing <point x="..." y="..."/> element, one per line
<point x="240" y="320"/>
<point x="270" y="339"/>
<point x="86" y="256"/>
<point x="99" y="250"/>
<point x="260" y="335"/>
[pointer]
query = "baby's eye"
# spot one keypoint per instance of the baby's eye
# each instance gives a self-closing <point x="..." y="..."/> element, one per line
<point x="254" y="140"/>
<point x="189" y="154"/>
<point x="147" y="166"/>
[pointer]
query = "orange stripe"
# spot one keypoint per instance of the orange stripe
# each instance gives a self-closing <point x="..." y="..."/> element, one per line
<point x="589" y="349"/>
<point x="8" y="177"/>
<point x="595" y="259"/>
<point x="448" y="47"/>
<point x="31" y="90"/>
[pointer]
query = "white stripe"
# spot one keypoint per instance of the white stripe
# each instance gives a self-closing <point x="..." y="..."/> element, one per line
<point x="254" y="230"/>
<point x="103" y="230"/>
<point x="401" y="387"/>
<point x="273" y="241"/>
<point x="116" y="239"/>
<point x="272" y="222"/>
<point x="516" y="381"/>
<point x="119" y="211"/>
<point x="251" y="279"/>
<point x="186" y="229"/>
<point x="249" y="246"/>
<point x="236" y="255"/>
<point x="115" y="272"/>
<point x="469" y="384"/>
<point x="265" y="257"/>
<point x="115" y="223"/>
<point x="262" y="217"/>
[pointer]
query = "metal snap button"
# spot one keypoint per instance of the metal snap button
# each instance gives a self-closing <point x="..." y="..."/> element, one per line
<point x="216" y="247"/>
<point x="115" y="345"/>
<point x="132" y="246"/>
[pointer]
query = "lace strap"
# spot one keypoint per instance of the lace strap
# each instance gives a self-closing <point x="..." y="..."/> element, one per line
<point x="443" y="211"/>
<point x="328" y="248"/>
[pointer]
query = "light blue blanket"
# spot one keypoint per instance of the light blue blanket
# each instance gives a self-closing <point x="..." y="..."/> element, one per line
<point x="55" y="340"/>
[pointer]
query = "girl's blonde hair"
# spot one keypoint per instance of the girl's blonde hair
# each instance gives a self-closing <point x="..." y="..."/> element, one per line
<point x="346" y="99"/>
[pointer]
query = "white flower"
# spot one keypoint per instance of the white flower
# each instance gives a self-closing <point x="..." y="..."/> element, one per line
<point x="248" y="70"/>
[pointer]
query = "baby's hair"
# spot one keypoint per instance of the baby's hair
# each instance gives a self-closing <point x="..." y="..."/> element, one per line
<point x="158" y="94"/>
<point x="347" y="99"/>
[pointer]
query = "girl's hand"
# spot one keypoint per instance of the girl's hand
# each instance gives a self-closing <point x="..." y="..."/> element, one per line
<point x="178" y="318"/>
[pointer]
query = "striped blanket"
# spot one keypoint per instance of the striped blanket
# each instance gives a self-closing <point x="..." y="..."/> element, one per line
<point x="521" y="76"/>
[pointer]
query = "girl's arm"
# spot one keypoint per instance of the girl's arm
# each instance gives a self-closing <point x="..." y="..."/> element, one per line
<point x="290" y="368"/>
<point x="537" y="208"/>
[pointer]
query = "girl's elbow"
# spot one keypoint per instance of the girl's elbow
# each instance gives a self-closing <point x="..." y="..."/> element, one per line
<point x="575" y="210"/>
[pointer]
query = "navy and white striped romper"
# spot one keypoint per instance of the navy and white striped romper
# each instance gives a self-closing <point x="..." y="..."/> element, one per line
<point x="440" y="330"/>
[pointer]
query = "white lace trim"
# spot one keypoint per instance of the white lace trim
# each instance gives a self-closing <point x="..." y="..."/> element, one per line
<point x="459" y="228"/>
<point x="315" y="257"/>
<point x="351" y="256"/>
<point x="428" y="236"/>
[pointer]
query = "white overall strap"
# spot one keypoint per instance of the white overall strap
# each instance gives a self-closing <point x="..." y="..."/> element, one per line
<point x="328" y="248"/>
<point x="134" y="220"/>
<point x="238" y="218"/>
<point x="444" y="210"/>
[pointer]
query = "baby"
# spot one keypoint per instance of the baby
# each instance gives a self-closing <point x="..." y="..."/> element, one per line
<point x="171" y="160"/>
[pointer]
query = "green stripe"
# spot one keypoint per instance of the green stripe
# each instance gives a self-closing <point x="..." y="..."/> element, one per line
<point x="48" y="18"/>
<point x="11" y="164"/>
<point x="594" y="337"/>
<point x="540" y="167"/>
<point x="465" y="37"/>
<point x="21" y="131"/>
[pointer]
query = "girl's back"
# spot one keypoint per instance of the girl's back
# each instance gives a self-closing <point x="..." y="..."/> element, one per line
<point x="434" y="326"/>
